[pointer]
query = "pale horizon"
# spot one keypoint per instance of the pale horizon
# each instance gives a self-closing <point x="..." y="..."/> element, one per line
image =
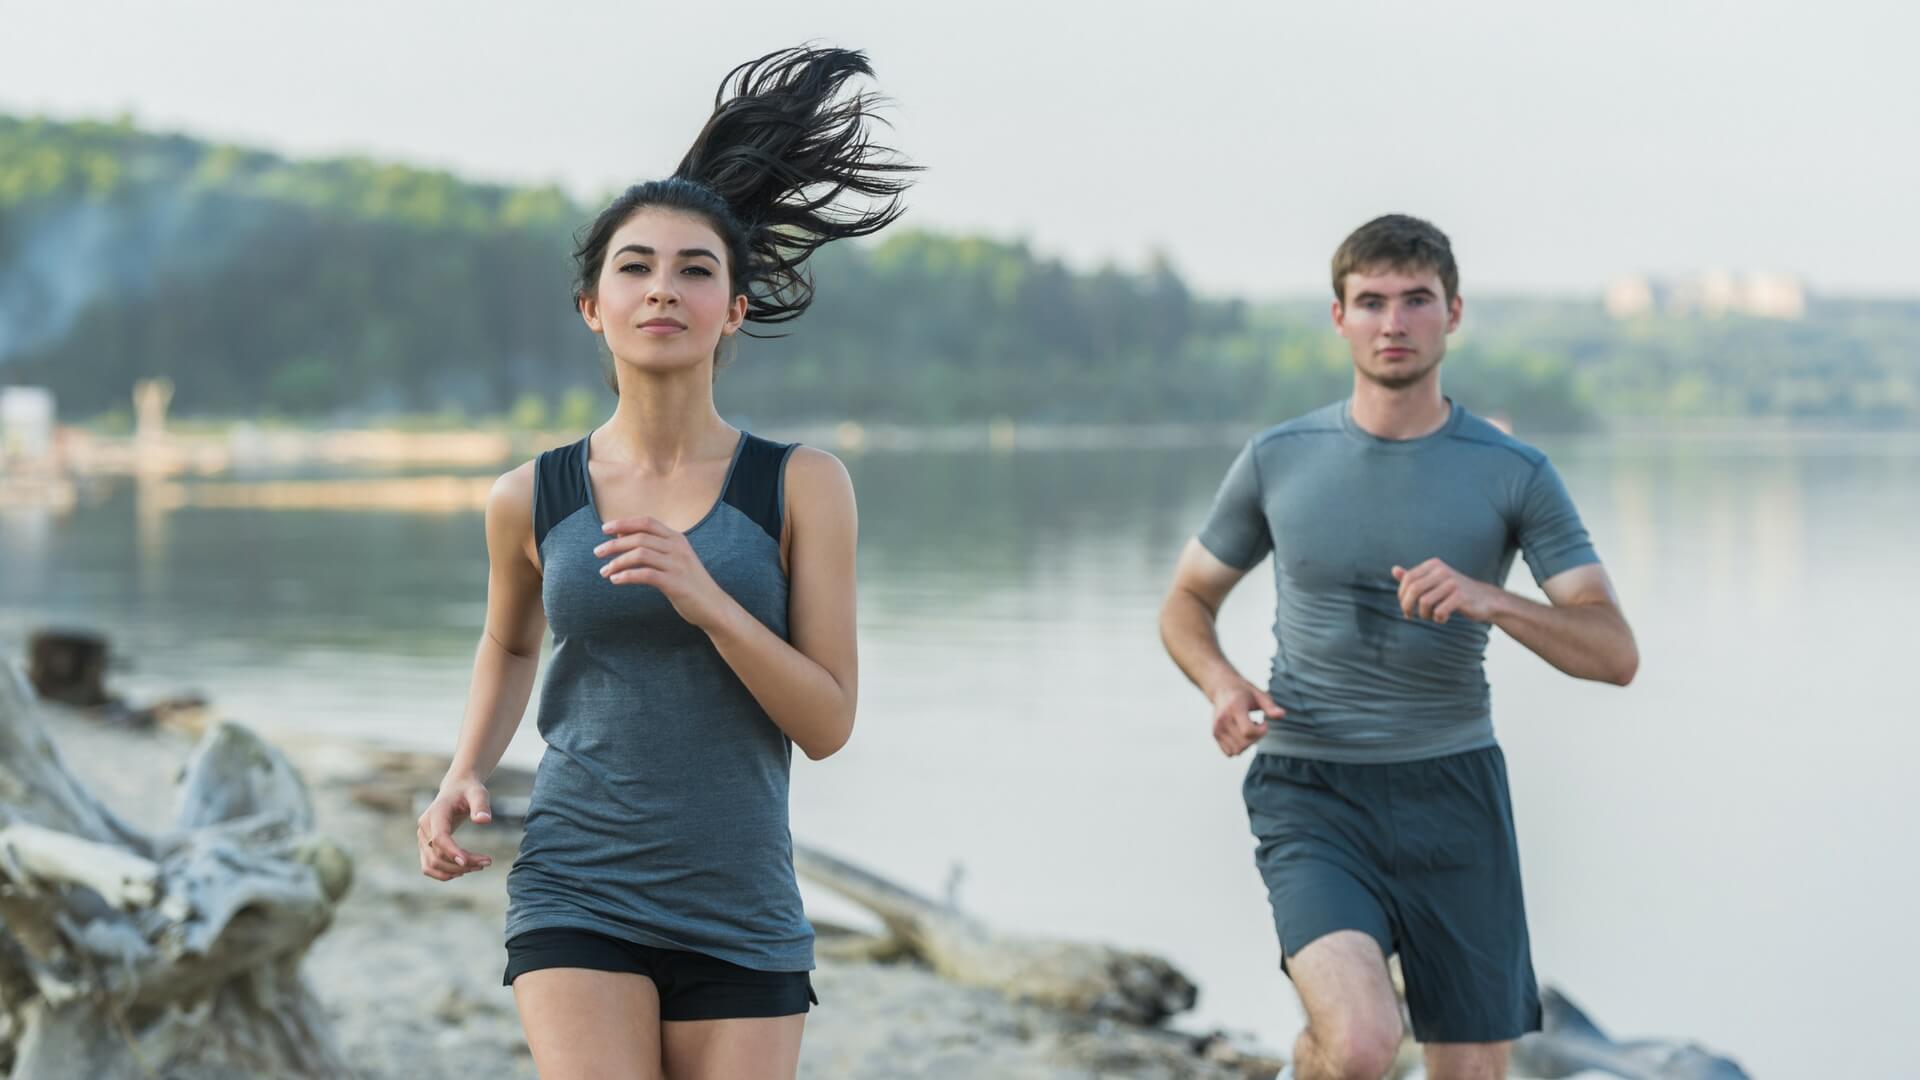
<point x="1560" y="150"/>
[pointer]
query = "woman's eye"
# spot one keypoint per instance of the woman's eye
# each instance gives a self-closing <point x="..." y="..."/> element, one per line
<point x="700" y="271"/>
<point x="632" y="267"/>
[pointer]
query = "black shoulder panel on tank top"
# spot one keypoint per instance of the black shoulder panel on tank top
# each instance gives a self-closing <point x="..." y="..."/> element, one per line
<point x="559" y="487"/>
<point x="756" y="487"/>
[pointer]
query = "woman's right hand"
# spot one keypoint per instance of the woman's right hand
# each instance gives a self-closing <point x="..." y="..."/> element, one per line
<point x="460" y="799"/>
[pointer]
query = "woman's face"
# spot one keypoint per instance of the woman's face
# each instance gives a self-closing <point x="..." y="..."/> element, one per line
<point x="664" y="299"/>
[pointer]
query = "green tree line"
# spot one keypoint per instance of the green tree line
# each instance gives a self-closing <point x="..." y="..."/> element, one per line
<point x="352" y="287"/>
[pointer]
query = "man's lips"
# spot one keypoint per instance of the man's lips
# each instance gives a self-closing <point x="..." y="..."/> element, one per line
<point x="663" y="326"/>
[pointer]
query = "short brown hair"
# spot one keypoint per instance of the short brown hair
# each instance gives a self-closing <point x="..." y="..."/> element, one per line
<point x="1398" y="241"/>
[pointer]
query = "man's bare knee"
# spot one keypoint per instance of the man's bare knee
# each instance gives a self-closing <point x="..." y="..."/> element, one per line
<point x="1353" y="1016"/>
<point x="1362" y="1051"/>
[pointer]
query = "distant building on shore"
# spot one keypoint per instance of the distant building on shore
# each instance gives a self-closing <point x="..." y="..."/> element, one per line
<point x="30" y="469"/>
<point x="26" y="424"/>
<point x="1709" y="295"/>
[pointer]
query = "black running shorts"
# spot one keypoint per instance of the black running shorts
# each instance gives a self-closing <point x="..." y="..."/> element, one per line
<point x="692" y="986"/>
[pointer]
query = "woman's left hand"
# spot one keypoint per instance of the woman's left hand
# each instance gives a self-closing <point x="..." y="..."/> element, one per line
<point x="643" y="551"/>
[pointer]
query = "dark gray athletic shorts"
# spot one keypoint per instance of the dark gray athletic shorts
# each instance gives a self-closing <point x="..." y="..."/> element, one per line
<point x="692" y="986"/>
<point x="1421" y="857"/>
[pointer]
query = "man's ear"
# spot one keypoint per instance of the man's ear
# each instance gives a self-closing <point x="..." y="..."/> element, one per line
<point x="1454" y="308"/>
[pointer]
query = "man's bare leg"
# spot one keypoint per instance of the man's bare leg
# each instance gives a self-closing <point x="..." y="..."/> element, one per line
<point x="1353" y="1018"/>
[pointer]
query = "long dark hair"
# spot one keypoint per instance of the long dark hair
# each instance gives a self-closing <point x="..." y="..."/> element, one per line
<point x="769" y="172"/>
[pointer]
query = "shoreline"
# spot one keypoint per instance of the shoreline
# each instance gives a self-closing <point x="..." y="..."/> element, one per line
<point x="221" y="447"/>
<point x="452" y="471"/>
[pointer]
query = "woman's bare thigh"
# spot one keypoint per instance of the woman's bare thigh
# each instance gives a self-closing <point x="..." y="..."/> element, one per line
<point x="723" y="1049"/>
<point x="585" y="1024"/>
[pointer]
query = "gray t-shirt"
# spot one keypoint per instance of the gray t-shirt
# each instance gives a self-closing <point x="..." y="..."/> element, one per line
<point x="1339" y="509"/>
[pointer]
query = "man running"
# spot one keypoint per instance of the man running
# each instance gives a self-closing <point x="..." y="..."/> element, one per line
<point x="1379" y="795"/>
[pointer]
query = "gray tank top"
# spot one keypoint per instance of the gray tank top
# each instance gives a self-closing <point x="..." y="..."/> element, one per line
<point x="659" y="811"/>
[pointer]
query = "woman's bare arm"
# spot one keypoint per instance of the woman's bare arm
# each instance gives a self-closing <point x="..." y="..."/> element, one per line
<point x="504" y="666"/>
<point x="808" y="684"/>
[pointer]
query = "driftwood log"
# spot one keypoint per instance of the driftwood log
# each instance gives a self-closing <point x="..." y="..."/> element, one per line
<point x="1144" y="989"/>
<point x="1092" y="979"/>
<point x="177" y="954"/>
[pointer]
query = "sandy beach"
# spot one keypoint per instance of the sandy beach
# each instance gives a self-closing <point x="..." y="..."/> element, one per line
<point x="410" y="971"/>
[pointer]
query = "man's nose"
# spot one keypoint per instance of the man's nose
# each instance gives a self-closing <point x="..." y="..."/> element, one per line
<point x="1394" y="322"/>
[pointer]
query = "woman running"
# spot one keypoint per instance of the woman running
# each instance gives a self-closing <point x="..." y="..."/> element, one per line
<point x="700" y="585"/>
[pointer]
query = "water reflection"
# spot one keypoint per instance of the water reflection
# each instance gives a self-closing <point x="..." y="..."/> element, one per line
<point x="152" y="509"/>
<point x="25" y="533"/>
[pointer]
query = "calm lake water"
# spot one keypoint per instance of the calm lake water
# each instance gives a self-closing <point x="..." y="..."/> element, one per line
<point x="1724" y="851"/>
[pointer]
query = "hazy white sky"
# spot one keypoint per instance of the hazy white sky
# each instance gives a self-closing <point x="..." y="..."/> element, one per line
<point x="1559" y="144"/>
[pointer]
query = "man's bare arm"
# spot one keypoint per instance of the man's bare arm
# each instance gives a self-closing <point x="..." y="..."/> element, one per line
<point x="1201" y="583"/>
<point x="1582" y="631"/>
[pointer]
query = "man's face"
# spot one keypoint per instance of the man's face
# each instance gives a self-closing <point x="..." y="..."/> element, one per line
<point x="1396" y="322"/>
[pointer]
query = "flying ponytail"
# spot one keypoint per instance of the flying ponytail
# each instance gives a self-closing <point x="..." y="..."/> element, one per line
<point x="770" y="172"/>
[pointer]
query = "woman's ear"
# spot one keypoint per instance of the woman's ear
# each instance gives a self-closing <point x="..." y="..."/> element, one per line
<point x="590" y="311"/>
<point x="736" y="315"/>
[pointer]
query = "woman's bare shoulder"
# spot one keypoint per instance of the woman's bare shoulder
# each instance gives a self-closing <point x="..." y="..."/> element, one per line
<point x="813" y="471"/>
<point x="510" y="503"/>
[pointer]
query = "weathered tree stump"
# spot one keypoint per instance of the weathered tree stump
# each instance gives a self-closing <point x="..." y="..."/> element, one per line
<point x="69" y="667"/>
<point x="177" y="955"/>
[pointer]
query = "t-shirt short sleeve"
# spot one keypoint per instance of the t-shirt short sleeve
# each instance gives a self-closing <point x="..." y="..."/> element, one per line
<point x="1236" y="528"/>
<point x="1552" y="537"/>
